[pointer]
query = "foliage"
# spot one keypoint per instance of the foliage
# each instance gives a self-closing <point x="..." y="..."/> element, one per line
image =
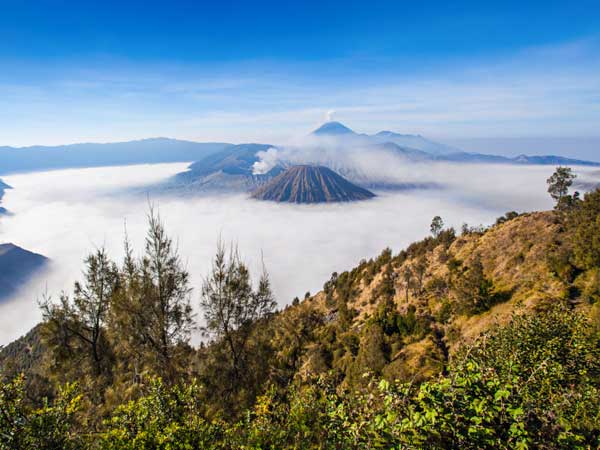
<point x="49" y="427"/>
<point x="507" y="217"/>
<point x="473" y="289"/>
<point x="76" y="329"/>
<point x="164" y="418"/>
<point x="584" y="223"/>
<point x="558" y="186"/>
<point x="155" y="310"/>
<point x="437" y="225"/>
<point x="231" y="307"/>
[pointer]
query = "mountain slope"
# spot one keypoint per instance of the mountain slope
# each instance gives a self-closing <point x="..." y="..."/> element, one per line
<point x="234" y="160"/>
<point x="311" y="184"/>
<point x="413" y="141"/>
<point x="333" y="129"/>
<point x="17" y="266"/>
<point x="228" y="170"/>
<point x="425" y="302"/>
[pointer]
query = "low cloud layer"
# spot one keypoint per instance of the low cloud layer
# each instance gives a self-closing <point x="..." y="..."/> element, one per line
<point x="66" y="214"/>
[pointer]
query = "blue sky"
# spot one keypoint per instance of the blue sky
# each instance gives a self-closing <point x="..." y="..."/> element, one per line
<point x="266" y="71"/>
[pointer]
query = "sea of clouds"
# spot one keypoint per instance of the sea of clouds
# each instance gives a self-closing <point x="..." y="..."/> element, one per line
<point x="68" y="213"/>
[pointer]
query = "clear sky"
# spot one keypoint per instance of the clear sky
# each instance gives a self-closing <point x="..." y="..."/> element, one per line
<point x="266" y="71"/>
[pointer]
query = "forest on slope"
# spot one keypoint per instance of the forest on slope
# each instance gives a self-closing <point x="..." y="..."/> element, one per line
<point x="487" y="337"/>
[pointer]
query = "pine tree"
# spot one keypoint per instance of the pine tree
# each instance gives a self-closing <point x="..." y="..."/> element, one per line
<point x="154" y="311"/>
<point x="558" y="186"/>
<point x="231" y="306"/>
<point x="437" y="225"/>
<point x="77" y="328"/>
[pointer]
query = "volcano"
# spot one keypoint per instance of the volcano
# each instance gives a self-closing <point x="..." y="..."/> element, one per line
<point x="311" y="184"/>
<point x="333" y="129"/>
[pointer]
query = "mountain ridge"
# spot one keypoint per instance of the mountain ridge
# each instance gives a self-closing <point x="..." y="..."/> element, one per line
<point x="141" y="151"/>
<point x="412" y="143"/>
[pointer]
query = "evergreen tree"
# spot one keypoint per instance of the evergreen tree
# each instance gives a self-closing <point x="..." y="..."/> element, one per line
<point x="231" y="306"/>
<point x="154" y="311"/>
<point x="407" y="274"/>
<point x="584" y="224"/>
<point x="437" y="225"/>
<point x="77" y="328"/>
<point x="473" y="289"/>
<point x="559" y="184"/>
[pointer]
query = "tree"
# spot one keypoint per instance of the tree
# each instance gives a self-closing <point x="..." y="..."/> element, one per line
<point x="78" y="327"/>
<point x="231" y="305"/>
<point x="407" y="274"/>
<point x="372" y="353"/>
<point x="559" y="184"/>
<point x="437" y="225"/>
<point x="154" y="310"/>
<point x="584" y="225"/>
<point x="473" y="289"/>
<point x="419" y="269"/>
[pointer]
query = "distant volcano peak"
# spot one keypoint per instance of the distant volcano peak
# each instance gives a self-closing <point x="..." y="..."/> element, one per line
<point x="332" y="128"/>
<point x="311" y="184"/>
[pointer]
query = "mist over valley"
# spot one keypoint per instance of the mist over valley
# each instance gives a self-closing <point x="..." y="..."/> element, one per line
<point x="65" y="214"/>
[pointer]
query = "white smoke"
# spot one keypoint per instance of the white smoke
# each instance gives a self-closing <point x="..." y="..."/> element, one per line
<point x="354" y="157"/>
<point x="267" y="160"/>
<point x="329" y="115"/>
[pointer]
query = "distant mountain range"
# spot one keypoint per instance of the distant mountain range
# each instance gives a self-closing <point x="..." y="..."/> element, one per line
<point x="411" y="142"/>
<point x="311" y="184"/>
<point x="417" y="147"/>
<point x="17" y="266"/>
<point x="164" y="150"/>
<point x="145" y="151"/>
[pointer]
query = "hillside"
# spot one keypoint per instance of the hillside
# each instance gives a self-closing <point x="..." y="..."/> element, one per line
<point x="17" y="266"/>
<point x="228" y="170"/>
<point x="421" y="284"/>
<point x="311" y="184"/>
